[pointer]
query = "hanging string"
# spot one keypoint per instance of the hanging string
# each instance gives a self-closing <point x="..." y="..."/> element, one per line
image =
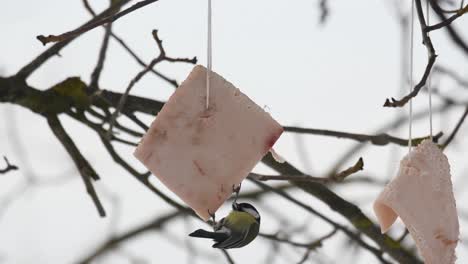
<point x="410" y="139"/>
<point x="429" y="80"/>
<point x="209" y="56"/>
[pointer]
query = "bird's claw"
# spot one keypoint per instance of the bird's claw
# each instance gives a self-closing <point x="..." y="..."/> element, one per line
<point x="213" y="218"/>
<point x="236" y="190"/>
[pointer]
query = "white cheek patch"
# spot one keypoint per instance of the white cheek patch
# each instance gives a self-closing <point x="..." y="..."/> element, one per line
<point x="252" y="212"/>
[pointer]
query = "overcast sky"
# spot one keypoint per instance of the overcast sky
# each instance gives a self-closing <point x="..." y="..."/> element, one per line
<point x="332" y="76"/>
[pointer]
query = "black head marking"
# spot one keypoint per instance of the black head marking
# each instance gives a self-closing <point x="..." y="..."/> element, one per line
<point x="247" y="208"/>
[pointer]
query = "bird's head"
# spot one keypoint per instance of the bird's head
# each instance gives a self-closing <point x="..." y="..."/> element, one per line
<point x="247" y="208"/>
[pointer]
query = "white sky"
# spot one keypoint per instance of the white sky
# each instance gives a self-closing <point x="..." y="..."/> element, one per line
<point x="335" y="76"/>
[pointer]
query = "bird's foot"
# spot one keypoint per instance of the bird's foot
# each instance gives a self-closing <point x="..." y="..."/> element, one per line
<point x="213" y="219"/>
<point x="236" y="190"/>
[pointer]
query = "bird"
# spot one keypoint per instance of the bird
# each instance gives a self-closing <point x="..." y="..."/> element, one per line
<point x="240" y="227"/>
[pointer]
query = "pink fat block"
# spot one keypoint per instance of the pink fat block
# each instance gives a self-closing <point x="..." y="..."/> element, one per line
<point x="421" y="195"/>
<point x="199" y="153"/>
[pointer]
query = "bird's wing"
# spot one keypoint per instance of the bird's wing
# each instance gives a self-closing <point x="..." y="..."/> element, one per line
<point x="250" y="235"/>
<point x="231" y="241"/>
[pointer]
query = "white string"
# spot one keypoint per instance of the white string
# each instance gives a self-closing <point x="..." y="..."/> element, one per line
<point x="410" y="139"/>
<point x="429" y="81"/>
<point x="209" y="56"/>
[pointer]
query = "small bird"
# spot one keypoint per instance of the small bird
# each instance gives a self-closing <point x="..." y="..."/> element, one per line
<point x="236" y="230"/>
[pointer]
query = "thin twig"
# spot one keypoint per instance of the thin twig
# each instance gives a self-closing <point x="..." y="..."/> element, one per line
<point x="161" y="57"/>
<point x="453" y="33"/>
<point x="311" y="245"/>
<point x="96" y="74"/>
<point x="452" y="74"/>
<point x="376" y="252"/>
<point x="456" y="129"/>
<point x="9" y="166"/>
<point x="152" y="225"/>
<point x="431" y="54"/>
<point x="29" y="68"/>
<point x="124" y="45"/>
<point x="307" y="178"/>
<point x="379" y="139"/>
<point x="392" y="125"/>
<point x="86" y="171"/>
<point x="348" y="210"/>
<point x="229" y="259"/>
<point x="110" y="18"/>
<point x="141" y="177"/>
<point x="449" y="20"/>
<point x="324" y="11"/>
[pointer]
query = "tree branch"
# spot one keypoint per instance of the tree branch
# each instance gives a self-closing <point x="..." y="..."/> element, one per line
<point x="455" y="130"/>
<point x="449" y="20"/>
<point x="96" y="74"/>
<point x="454" y="35"/>
<point x="141" y="177"/>
<point x="9" y="167"/>
<point x="228" y="257"/>
<point x="377" y="253"/>
<point x="153" y="225"/>
<point x="162" y="57"/>
<point x="452" y="74"/>
<point x="430" y="61"/>
<point x="85" y="28"/>
<point x="311" y="245"/>
<point x="86" y="171"/>
<point x="28" y="69"/>
<point x="307" y="178"/>
<point x="346" y="209"/>
<point x="379" y="140"/>
<point x="124" y="45"/>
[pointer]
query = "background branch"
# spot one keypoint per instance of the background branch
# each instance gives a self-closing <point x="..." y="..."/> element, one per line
<point x="8" y="167"/>
<point x="86" y="171"/>
<point x="96" y="23"/>
<point x="379" y="140"/>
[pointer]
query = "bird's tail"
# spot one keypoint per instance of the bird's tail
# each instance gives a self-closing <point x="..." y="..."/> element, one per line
<point x="207" y="234"/>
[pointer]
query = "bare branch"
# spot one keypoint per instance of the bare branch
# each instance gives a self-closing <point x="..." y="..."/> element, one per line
<point x="351" y="170"/>
<point x="85" y="28"/>
<point x="141" y="177"/>
<point x="348" y="210"/>
<point x="9" y="167"/>
<point x="86" y="171"/>
<point x="124" y="45"/>
<point x="228" y="257"/>
<point x="311" y="245"/>
<point x="153" y="225"/>
<point x="96" y="74"/>
<point x="452" y="74"/>
<point x="430" y="61"/>
<point x="307" y="178"/>
<point x="456" y="129"/>
<point x="28" y="69"/>
<point x="379" y="140"/>
<point x="454" y="34"/>
<point x="376" y="252"/>
<point x="162" y="57"/>
<point x="324" y="11"/>
<point x="449" y="20"/>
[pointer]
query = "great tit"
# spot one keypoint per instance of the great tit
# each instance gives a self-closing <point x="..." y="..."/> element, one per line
<point x="236" y="230"/>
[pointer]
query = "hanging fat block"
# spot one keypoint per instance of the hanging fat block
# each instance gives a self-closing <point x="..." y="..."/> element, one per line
<point x="199" y="153"/>
<point x="421" y="195"/>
